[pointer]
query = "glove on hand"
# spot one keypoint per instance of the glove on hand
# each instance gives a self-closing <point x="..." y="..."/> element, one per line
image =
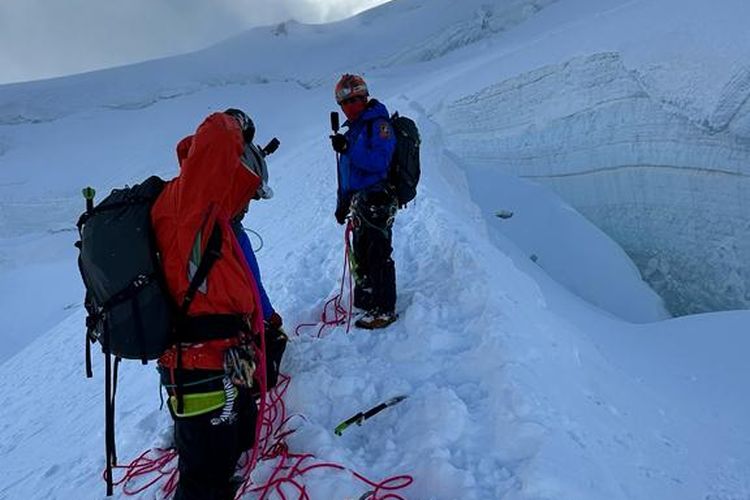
<point x="339" y="143"/>
<point x="341" y="212"/>
<point x="239" y="365"/>
<point x="276" y="341"/>
<point x="275" y="321"/>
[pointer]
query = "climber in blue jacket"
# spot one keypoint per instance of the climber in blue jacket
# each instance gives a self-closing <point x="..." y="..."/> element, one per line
<point x="367" y="197"/>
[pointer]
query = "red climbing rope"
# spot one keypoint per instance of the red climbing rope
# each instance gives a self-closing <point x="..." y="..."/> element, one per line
<point x="287" y="473"/>
<point x="155" y="460"/>
<point x="271" y="431"/>
<point x="334" y="312"/>
<point x="291" y="467"/>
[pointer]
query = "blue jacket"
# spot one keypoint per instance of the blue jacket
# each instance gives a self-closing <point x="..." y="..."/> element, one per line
<point x="252" y="262"/>
<point x="371" y="147"/>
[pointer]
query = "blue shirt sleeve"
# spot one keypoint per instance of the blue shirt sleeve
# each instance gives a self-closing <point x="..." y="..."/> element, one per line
<point x="252" y="262"/>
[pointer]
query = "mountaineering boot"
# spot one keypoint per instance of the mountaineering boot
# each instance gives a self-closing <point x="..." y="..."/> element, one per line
<point x="358" y="313"/>
<point x="375" y="319"/>
<point x="363" y="297"/>
<point x="235" y="483"/>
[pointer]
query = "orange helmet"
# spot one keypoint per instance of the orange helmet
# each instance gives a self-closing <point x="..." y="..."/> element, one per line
<point x="350" y="86"/>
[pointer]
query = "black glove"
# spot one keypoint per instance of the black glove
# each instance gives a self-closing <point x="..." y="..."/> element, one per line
<point x="342" y="210"/>
<point x="339" y="143"/>
<point x="274" y="321"/>
<point x="276" y="341"/>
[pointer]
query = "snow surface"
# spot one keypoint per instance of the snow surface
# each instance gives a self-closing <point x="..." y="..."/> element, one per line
<point x="527" y="379"/>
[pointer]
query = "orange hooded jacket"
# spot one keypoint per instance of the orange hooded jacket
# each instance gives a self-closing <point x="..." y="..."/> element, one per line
<point x="212" y="187"/>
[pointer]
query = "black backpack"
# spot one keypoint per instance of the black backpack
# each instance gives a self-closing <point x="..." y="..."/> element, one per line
<point x="405" y="168"/>
<point x="130" y="310"/>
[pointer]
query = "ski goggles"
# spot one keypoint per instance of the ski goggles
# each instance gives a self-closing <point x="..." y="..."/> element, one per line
<point x="350" y="92"/>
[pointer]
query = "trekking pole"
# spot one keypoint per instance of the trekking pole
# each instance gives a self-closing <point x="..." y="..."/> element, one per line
<point x="360" y="417"/>
<point x="88" y="195"/>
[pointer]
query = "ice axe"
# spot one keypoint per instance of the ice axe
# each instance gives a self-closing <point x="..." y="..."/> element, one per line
<point x="360" y="417"/>
<point x="335" y="127"/>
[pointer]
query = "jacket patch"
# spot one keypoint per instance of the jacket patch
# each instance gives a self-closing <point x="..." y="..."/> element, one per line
<point x="385" y="130"/>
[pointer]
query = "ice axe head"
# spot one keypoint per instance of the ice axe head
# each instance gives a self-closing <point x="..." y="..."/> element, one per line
<point x="271" y="147"/>
<point x="335" y="121"/>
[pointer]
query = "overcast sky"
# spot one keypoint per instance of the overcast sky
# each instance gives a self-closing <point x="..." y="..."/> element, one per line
<point x="46" y="38"/>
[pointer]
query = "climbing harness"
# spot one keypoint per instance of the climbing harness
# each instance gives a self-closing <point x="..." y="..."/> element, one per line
<point x="228" y="415"/>
<point x="378" y="216"/>
<point x="159" y="465"/>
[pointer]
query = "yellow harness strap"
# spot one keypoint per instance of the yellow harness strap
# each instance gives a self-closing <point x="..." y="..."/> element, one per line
<point x="198" y="403"/>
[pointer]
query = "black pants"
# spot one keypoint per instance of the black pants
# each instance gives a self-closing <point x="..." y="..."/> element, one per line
<point x="375" y="271"/>
<point x="208" y="453"/>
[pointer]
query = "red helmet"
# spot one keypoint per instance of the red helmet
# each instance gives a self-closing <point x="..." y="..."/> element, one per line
<point x="350" y="86"/>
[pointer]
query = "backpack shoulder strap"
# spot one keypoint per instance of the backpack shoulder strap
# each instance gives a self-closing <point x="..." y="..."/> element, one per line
<point x="210" y="256"/>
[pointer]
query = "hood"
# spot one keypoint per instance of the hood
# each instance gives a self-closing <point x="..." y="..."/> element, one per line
<point x="210" y="163"/>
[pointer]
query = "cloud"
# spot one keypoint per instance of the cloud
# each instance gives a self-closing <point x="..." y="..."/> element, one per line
<point x="46" y="38"/>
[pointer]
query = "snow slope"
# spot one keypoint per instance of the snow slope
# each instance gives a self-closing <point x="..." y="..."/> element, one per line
<point x="523" y="380"/>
